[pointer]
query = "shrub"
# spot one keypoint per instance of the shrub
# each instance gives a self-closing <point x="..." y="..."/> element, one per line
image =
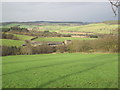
<point x="10" y="50"/>
<point x="9" y="36"/>
<point x="61" y="48"/>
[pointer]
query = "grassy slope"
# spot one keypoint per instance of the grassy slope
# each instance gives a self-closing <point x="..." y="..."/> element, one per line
<point x="61" y="38"/>
<point x="23" y="37"/>
<point x="9" y="42"/>
<point x="61" y="70"/>
<point x="95" y="28"/>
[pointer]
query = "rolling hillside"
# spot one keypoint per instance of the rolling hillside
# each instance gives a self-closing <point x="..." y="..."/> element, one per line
<point x="97" y="28"/>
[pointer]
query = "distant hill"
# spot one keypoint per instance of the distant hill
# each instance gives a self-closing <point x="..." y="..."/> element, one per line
<point x="61" y="22"/>
<point x="112" y="22"/>
<point x="47" y="22"/>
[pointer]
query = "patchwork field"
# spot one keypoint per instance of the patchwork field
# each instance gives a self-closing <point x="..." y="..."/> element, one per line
<point x="97" y="28"/>
<point x="61" y="70"/>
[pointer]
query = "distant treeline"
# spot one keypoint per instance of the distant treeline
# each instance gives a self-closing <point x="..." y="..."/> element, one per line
<point x="8" y="36"/>
<point x="25" y="31"/>
<point x="112" y="22"/>
<point x="34" y="33"/>
<point x="106" y="44"/>
<point x="15" y="28"/>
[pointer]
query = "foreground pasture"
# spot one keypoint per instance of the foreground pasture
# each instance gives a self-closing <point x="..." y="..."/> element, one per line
<point x="69" y="70"/>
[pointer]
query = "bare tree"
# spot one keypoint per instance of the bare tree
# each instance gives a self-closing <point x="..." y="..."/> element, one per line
<point x="114" y="5"/>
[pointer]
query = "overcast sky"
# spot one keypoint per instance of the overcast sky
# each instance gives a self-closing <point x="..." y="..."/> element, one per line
<point x="57" y="11"/>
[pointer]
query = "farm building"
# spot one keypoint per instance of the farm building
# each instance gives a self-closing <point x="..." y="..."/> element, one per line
<point x="36" y="43"/>
<point x="55" y="43"/>
<point x="67" y="42"/>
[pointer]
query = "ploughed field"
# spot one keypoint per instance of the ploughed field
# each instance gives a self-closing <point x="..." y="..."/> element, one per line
<point x="68" y="70"/>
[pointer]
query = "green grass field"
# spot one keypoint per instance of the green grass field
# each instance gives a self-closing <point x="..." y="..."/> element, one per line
<point x="23" y="37"/>
<point x="69" y="70"/>
<point x="9" y="42"/>
<point x="61" y="38"/>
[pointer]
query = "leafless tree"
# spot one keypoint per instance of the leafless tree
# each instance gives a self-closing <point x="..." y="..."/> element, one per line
<point x="115" y="4"/>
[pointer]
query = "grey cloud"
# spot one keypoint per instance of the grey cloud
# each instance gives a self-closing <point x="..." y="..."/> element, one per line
<point x="69" y="11"/>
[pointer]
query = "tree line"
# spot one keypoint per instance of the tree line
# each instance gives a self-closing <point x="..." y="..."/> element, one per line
<point x="8" y="36"/>
<point x="25" y="31"/>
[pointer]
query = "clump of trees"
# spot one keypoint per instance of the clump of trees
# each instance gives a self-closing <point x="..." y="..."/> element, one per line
<point x="61" y="48"/>
<point x="12" y="50"/>
<point x="43" y="49"/>
<point x="5" y="29"/>
<point x="40" y="33"/>
<point x="9" y="36"/>
<point x="14" y="28"/>
<point x="26" y="50"/>
<point x="79" y="46"/>
<point x="105" y="44"/>
<point x="25" y="31"/>
<point x="93" y="36"/>
<point x="18" y="29"/>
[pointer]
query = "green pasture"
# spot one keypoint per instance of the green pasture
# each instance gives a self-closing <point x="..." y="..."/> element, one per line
<point x="23" y="37"/>
<point x="9" y="42"/>
<point x="68" y="70"/>
<point x="100" y="28"/>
